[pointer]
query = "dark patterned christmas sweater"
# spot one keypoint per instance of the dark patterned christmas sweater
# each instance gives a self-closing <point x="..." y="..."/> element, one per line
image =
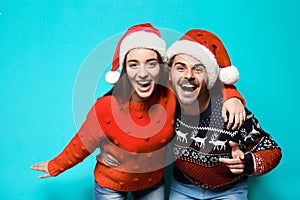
<point x="200" y="142"/>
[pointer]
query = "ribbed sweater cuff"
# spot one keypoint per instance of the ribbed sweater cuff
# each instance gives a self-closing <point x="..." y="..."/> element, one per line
<point x="53" y="168"/>
<point x="249" y="164"/>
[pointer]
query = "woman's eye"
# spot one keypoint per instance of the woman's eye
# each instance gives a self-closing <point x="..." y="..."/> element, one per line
<point x="152" y="64"/>
<point x="133" y="65"/>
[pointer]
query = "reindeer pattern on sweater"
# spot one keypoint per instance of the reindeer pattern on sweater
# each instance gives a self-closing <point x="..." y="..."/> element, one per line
<point x="202" y="140"/>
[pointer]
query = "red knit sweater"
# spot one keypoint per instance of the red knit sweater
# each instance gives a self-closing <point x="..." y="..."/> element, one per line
<point x="139" y="132"/>
<point x="135" y="133"/>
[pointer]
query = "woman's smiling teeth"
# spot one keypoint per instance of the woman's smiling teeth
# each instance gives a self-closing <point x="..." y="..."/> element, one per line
<point x="144" y="83"/>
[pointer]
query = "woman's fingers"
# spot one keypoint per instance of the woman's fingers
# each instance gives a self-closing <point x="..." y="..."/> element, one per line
<point x="45" y="175"/>
<point x="43" y="167"/>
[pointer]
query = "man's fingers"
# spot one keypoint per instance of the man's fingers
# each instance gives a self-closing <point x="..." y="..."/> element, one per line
<point x="237" y="171"/>
<point x="231" y="161"/>
<point x="233" y="145"/>
<point x="236" y="151"/>
<point x="236" y="166"/>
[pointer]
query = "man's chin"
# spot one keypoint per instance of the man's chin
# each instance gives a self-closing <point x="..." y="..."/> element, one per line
<point x="187" y="100"/>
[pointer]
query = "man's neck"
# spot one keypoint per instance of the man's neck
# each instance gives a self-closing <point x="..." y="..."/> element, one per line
<point x="197" y="107"/>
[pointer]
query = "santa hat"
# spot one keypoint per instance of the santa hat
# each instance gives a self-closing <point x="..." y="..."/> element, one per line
<point x="138" y="36"/>
<point x="207" y="48"/>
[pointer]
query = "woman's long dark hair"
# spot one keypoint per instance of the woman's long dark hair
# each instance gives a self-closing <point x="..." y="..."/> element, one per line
<point x="123" y="89"/>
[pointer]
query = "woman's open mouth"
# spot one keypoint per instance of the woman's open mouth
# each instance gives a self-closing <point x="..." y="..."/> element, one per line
<point x="144" y="85"/>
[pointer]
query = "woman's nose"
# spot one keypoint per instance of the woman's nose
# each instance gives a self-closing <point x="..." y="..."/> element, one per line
<point x="143" y="72"/>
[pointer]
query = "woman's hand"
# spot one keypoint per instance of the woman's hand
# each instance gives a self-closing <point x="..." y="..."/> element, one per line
<point x="43" y="167"/>
<point x="236" y="111"/>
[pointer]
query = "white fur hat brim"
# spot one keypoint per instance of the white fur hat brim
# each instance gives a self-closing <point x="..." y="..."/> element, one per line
<point x="142" y="39"/>
<point x="199" y="52"/>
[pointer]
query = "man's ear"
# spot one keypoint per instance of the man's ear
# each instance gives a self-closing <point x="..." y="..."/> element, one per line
<point x="168" y="69"/>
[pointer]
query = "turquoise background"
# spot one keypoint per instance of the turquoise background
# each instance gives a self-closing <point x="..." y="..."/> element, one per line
<point x="45" y="46"/>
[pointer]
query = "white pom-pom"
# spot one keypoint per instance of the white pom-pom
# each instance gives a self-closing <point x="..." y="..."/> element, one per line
<point x="229" y="75"/>
<point x="112" y="77"/>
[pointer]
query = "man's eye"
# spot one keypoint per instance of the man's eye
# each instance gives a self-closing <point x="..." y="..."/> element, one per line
<point x="198" y="70"/>
<point x="179" y="68"/>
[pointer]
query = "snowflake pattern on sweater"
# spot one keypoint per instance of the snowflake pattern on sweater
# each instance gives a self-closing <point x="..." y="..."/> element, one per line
<point x="201" y="141"/>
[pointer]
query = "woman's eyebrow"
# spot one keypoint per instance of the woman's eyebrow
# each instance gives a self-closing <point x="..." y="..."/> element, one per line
<point x="151" y="59"/>
<point x="148" y="60"/>
<point x="132" y="60"/>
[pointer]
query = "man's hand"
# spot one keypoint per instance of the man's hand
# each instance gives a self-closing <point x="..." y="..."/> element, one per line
<point x="236" y="164"/>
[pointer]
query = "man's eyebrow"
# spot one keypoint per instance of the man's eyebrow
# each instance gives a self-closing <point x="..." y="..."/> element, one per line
<point x="199" y="65"/>
<point x="180" y="63"/>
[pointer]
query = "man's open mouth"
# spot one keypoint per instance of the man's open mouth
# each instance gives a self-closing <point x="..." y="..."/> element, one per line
<point x="188" y="88"/>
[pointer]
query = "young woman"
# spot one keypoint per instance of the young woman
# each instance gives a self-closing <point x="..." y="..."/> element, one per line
<point x="136" y="118"/>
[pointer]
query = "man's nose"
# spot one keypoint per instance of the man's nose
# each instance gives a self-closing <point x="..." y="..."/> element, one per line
<point x="189" y="74"/>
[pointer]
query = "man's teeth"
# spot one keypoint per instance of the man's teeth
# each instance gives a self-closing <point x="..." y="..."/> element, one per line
<point x="187" y="85"/>
<point x="189" y="88"/>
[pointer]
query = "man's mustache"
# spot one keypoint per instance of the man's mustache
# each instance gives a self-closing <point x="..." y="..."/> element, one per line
<point x="191" y="81"/>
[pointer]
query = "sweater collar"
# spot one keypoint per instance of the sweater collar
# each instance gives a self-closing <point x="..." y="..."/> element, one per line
<point x="145" y="105"/>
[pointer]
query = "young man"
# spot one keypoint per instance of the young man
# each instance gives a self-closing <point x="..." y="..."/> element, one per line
<point x="212" y="162"/>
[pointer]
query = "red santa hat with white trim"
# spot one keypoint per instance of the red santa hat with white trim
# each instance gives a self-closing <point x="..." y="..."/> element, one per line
<point x="209" y="49"/>
<point x="138" y="36"/>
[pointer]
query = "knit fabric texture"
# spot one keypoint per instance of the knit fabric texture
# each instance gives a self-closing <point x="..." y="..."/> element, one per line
<point x="140" y="132"/>
<point x="201" y="141"/>
<point x="134" y="133"/>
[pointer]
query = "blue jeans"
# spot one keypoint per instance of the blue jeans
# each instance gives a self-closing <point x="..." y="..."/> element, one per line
<point x="156" y="192"/>
<point x="235" y="191"/>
